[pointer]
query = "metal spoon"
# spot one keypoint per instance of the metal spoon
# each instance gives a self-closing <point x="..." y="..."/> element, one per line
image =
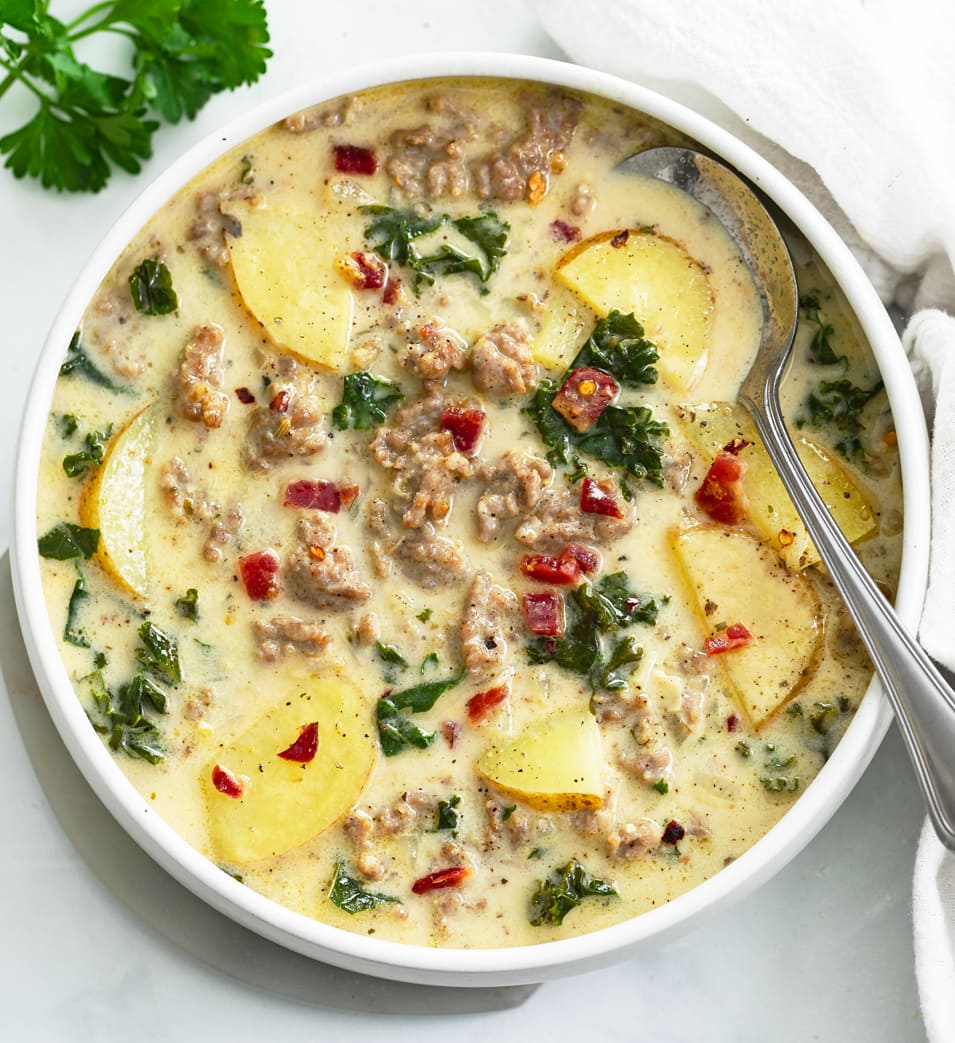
<point x="923" y="702"/>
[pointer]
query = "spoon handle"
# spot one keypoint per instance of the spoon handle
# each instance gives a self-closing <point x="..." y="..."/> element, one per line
<point x="923" y="702"/>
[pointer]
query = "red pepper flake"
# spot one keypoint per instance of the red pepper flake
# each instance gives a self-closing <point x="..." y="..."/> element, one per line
<point x="544" y="612"/>
<point x="721" y="495"/>
<point x="480" y="705"/>
<point x="353" y="159"/>
<point x="245" y="396"/>
<point x="225" y="782"/>
<point x="305" y="746"/>
<point x="620" y="239"/>
<point x="279" y="404"/>
<point x="348" y="493"/>
<point x="736" y="446"/>
<point x="449" y="729"/>
<point x="365" y="271"/>
<point x="465" y="425"/>
<point x="673" y="833"/>
<point x="314" y="495"/>
<point x="258" y="573"/>
<point x="732" y="722"/>
<point x="453" y="876"/>
<point x="594" y="499"/>
<point x="584" y="395"/>
<point x="734" y="636"/>
<point x="564" y="232"/>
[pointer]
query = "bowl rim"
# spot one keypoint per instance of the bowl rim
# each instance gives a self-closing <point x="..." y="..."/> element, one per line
<point x="416" y="963"/>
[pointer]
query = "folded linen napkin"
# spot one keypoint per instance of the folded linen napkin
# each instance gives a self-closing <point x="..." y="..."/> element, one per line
<point x="855" y="103"/>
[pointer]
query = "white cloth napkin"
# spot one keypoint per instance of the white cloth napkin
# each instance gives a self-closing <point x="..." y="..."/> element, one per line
<point x="854" y="101"/>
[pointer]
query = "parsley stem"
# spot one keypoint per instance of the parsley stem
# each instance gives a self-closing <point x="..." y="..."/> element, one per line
<point x="87" y="15"/>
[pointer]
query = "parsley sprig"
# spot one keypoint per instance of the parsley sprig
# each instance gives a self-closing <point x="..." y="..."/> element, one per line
<point x="86" y="121"/>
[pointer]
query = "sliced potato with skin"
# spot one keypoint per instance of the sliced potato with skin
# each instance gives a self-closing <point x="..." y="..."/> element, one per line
<point x="555" y="764"/>
<point x="652" y="276"/>
<point x="770" y="509"/>
<point x="284" y="267"/>
<point x="284" y="803"/>
<point x="115" y="503"/>
<point x="737" y="578"/>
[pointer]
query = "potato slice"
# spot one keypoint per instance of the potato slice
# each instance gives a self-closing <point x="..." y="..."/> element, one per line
<point x="652" y="276"/>
<point x="554" y="765"/>
<point x="284" y="803"/>
<point x="115" y="503"/>
<point x="284" y="267"/>
<point x="771" y="510"/>
<point x="561" y="331"/>
<point x="738" y="579"/>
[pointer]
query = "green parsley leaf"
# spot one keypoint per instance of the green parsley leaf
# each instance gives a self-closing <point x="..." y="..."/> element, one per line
<point x="366" y="401"/>
<point x="562" y="891"/>
<point x="66" y="540"/>
<point x="348" y="894"/>
<point x="151" y="288"/>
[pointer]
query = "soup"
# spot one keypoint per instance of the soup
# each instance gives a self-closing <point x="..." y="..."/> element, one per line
<point x="406" y="546"/>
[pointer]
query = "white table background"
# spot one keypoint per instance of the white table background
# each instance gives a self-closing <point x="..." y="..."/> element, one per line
<point x="823" y="952"/>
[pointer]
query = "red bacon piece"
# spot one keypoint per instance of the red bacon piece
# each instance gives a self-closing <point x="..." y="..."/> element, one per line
<point x="563" y="232"/>
<point x="734" y="636"/>
<point x="584" y="395"/>
<point x="673" y="833"/>
<point x="258" y="574"/>
<point x="225" y="782"/>
<point x="721" y="495"/>
<point x="544" y="612"/>
<point x="465" y="426"/>
<point x="453" y="876"/>
<point x="587" y="559"/>
<point x="305" y="746"/>
<point x="562" y="571"/>
<point x="319" y="495"/>
<point x="245" y="396"/>
<point x="353" y="159"/>
<point x="480" y="705"/>
<point x="596" y="500"/>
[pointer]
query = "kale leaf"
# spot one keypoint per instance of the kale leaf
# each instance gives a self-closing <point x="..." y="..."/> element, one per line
<point x="151" y="289"/>
<point x="159" y="653"/>
<point x="820" y="348"/>
<point x="348" y="894"/>
<point x="447" y="815"/>
<point x="128" y="728"/>
<point x="618" y="347"/>
<point x="66" y="540"/>
<point x="562" y="891"/>
<point x="72" y="634"/>
<point x="78" y="465"/>
<point x="838" y="404"/>
<point x="366" y="401"/>
<point x="78" y="363"/>
<point x="390" y="654"/>
<point x="397" y="732"/>
<point x="188" y="605"/>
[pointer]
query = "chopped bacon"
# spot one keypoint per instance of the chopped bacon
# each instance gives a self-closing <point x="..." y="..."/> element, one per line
<point x="587" y="559"/>
<point x="305" y="746"/>
<point x="258" y="572"/>
<point x="225" y="782"/>
<point x="453" y="876"/>
<point x="365" y="271"/>
<point x="736" y="446"/>
<point x="721" y="494"/>
<point x="732" y="722"/>
<point x="562" y="570"/>
<point x="595" y="500"/>
<point x="449" y="729"/>
<point x="564" y="232"/>
<point x="353" y="159"/>
<point x="584" y="395"/>
<point x="673" y="833"/>
<point x="319" y="495"/>
<point x="734" y="636"/>
<point x="390" y="294"/>
<point x="465" y="426"/>
<point x="279" y="404"/>
<point x="480" y="705"/>
<point x="544" y="612"/>
<point x="245" y="396"/>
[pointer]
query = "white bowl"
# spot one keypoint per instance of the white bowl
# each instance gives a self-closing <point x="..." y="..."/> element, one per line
<point x="462" y="967"/>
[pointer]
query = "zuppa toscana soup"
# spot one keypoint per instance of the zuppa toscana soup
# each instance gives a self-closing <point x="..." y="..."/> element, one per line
<point x="405" y="543"/>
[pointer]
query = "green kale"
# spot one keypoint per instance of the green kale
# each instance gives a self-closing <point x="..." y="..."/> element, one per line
<point x="820" y="349"/>
<point x="431" y="659"/>
<point x="66" y="540"/>
<point x="662" y="787"/>
<point x="776" y="779"/>
<point x="390" y="654"/>
<point x="424" y="615"/>
<point x="128" y="728"/>
<point x="159" y="653"/>
<point x="188" y="605"/>
<point x="397" y="732"/>
<point x="77" y="363"/>
<point x="366" y="401"/>
<point x="348" y="894"/>
<point x="72" y="634"/>
<point x="618" y="347"/>
<point x="447" y="815"/>
<point x="78" y="465"/>
<point x="626" y="653"/>
<point x="823" y="716"/>
<point x="151" y="288"/>
<point x="562" y="891"/>
<point x="69" y="422"/>
<point x="838" y="405"/>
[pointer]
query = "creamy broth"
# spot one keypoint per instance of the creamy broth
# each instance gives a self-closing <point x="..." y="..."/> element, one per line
<point x="221" y="405"/>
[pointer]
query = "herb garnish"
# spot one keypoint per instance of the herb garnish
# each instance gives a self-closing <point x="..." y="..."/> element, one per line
<point x="188" y="605"/>
<point x="447" y="815"/>
<point x="69" y="422"/>
<point x="78" y="465"/>
<point x="348" y="894"/>
<point x="87" y="121"/>
<point x="66" y="541"/>
<point x="838" y="404"/>
<point x="562" y="891"/>
<point x="78" y="363"/>
<point x="71" y="632"/>
<point x="390" y="654"/>
<point x="150" y="287"/>
<point x="662" y="787"/>
<point x="424" y="615"/>
<point x="626" y="437"/>
<point x="397" y="732"/>
<point x="776" y="779"/>
<point x="599" y="611"/>
<point x="366" y="401"/>
<point x="392" y="234"/>
<point x="820" y="348"/>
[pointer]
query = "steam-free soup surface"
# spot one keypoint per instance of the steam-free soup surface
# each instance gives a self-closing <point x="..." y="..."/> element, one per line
<point x="406" y="545"/>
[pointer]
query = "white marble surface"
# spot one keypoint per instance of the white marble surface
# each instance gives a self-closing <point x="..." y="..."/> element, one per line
<point x="823" y="952"/>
